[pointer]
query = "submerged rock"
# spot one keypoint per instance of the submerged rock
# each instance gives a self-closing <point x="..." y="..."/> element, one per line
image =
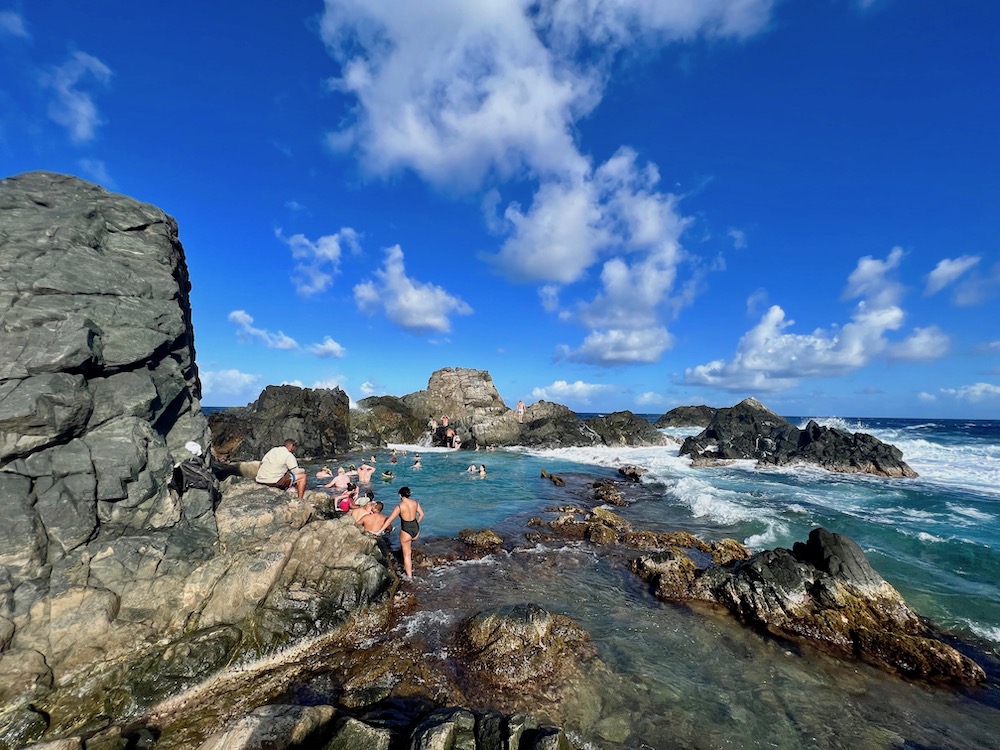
<point x="519" y="653"/>
<point x="751" y="430"/>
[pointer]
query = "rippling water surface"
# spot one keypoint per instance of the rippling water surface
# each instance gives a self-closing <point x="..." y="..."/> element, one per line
<point x="697" y="679"/>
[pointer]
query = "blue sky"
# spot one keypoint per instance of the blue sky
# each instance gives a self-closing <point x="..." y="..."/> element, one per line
<point x="629" y="204"/>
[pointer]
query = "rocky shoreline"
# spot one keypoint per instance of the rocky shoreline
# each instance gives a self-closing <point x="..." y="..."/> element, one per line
<point x="141" y="610"/>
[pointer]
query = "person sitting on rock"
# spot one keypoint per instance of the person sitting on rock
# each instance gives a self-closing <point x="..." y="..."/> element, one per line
<point x="375" y="519"/>
<point x="279" y="469"/>
<point x="363" y="506"/>
<point x="349" y="498"/>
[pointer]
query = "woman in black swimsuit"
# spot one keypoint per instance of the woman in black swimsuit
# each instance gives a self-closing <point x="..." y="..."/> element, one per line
<point x="410" y="515"/>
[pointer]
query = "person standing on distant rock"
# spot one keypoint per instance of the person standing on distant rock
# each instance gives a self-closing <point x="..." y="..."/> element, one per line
<point x="410" y="515"/>
<point x="279" y="469"/>
<point x="520" y="412"/>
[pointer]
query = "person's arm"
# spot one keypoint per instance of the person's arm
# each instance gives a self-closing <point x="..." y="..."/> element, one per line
<point x="420" y="513"/>
<point x="388" y="521"/>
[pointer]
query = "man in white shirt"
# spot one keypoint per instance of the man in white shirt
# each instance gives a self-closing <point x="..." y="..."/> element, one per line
<point x="279" y="469"/>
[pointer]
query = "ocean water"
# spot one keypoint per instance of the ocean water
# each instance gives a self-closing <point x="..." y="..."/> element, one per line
<point x="696" y="679"/>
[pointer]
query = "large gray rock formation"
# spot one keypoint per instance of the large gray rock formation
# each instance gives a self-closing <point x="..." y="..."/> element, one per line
<point x="472" y="403"/>
<point x="625" y="428"/>
<point x="380" y="420"/>
<point x="118" y="589"/>
<point x="318" y="420"/>
<point x="751" y="430"/>
<point x="98" y="394"/>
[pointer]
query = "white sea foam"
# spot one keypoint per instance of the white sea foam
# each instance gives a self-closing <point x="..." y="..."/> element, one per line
<point x="988" y="632"/>
<point x="429" y="621"/>
<point x="923" y="536"/>
<point x="838" y="423"/>
<point x="971" y="513"/>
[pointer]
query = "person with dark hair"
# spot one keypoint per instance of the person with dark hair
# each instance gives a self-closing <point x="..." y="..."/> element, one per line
<point x="279" y="469"/>
<point x="373" y="522"/>
<point x="410" y="515"/>
<point x="349" y="498"/>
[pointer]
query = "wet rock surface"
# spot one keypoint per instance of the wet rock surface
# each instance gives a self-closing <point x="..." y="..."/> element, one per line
<point x="686" y="416"/>
<point x="751" y="430"/>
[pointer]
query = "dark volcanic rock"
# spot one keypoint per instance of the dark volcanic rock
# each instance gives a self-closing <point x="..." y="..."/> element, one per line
<point x="686" y="416"/>
<point x="625" y="428"/>
<point x="823" y="591"/>
<point x="549" y="425"/>
<point x="379" y="420"/>
<point x="316" y="419"/>
<point x="751" y="430"/>
<point x="99" y="392"/>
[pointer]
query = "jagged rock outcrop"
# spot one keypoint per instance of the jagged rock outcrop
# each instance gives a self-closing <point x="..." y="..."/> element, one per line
<point x="380" y="420"/>
<point x="472" y="404"/>
<point x="149" y="619"/>
<point x="550" y="425"/>
<point x="99" y="395"/>
<point x="823" y="591"/>
<point x="317" y="419"/>
<point x="276" y="727"/>
<point x="625" y="428"/>
<point x="751" y="430"/>
<point x="686" y="416"/>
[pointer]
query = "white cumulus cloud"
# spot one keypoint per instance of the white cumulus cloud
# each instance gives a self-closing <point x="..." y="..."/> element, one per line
<point x="577" y="392"/>
<point x="318" y="261"/>
<point x="468" y="94"/>
<point x="72" y="106"/>
<point x="329" y="348"/>
<point x="922" y="345"/>
<point x="219" y="383"/>
<point x="247" y="332"/>
<point x="948" y="271"/>
<point x="976" y="392"/>
<point x="649" y="398"/>
<point x="418" y="307"/>
<point x="768" y="358"/>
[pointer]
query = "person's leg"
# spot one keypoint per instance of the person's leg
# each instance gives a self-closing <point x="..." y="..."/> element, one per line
<point x="404" y="542"/>
<point x="300" y="482"/>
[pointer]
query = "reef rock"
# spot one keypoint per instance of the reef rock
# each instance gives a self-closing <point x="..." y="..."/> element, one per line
<point x="550" y="425"/>
<point x="521" y="653"/>
<point x="472" y="404"/>
<point x="751" y="430"/>
<point x="686" y="416"/>
<point x="625" y="428"/>
<point x="380" y="420"/>
<point x="823" y="591"/>
<point x="318" y="420"/>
